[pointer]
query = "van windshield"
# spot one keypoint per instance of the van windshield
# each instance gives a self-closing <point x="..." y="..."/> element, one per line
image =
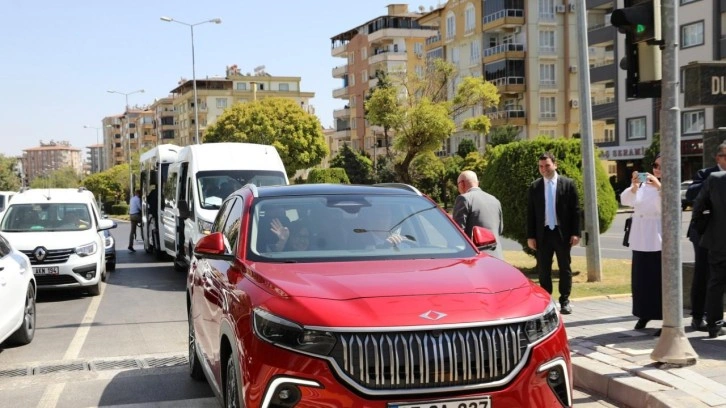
<point x="214" y="186"/>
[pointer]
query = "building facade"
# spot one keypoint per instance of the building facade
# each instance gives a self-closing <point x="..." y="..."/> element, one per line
<point x="95" y="158"/>
<point x="50" y="157"/>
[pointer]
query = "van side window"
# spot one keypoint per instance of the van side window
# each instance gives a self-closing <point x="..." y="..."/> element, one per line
<point x="170" y="190"/>
<point x="190" y="200"/>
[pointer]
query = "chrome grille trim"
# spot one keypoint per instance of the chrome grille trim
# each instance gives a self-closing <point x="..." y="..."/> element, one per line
<point x="53" y="256"/>
<point x="409" y="362"/>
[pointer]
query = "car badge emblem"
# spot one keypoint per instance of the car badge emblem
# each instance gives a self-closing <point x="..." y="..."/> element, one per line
<point x="40" y="253"/>
<point x="433" y="315"/>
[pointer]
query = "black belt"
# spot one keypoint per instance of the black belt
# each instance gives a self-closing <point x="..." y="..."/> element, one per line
<point x="135" y="214"/>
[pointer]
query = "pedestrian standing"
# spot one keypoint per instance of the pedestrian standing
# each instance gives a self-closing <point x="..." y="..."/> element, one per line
<point x="699" y="282"/>
<point x="553" y="226"/>
<point x="713" y="197"/>
<point x="475" y="207"/>
<point x="134" y="217"/>
<point x="645" y="242"/>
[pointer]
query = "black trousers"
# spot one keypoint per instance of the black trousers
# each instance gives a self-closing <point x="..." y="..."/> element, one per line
<point x="553" y="243"/>
<point x="716" y="286"/>
<point x="699" y="284"/>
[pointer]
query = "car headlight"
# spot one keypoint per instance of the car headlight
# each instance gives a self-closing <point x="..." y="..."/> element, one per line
<point x="108" y="242"/>
<point x="87" y="249"/>
<point x="204" y="226"/>
<point x="540" y="327"/>
<point x="287" y="334"/>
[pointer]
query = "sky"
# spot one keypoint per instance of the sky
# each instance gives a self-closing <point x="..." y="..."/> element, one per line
<point x="59" y="58"/>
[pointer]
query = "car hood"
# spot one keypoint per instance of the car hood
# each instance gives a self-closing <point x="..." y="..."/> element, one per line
<point x="404" y="292"/>
<point x="27" y="241"/>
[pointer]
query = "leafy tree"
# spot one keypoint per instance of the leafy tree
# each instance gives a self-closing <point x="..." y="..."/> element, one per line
<point x="9" y="181"/>
<point x="650" y="153"/>
<point x="384" y="172"/>
<point x="281" y="122"/>
<point x="512" y="168"/>
<point x="358" y="166"/>
<point x="502" y="135"/>
<point x="420" y="113"/>
<point x="383" y="116"/>
<point x="331" y="175"/>
<point x="427" y="172"/>
<point x="65" y="177"/>
<point x="110" y="184"/>
<point x="465" y="147"/>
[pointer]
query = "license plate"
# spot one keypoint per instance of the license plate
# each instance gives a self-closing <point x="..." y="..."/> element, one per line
<point x="481" y="402"/>
<point x="49" y="270"/>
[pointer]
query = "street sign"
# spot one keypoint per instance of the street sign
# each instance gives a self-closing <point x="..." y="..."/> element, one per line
<point x="704" y="84"/>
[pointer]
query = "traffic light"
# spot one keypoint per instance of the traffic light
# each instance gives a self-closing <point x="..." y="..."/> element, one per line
<point x="640" y="21"/>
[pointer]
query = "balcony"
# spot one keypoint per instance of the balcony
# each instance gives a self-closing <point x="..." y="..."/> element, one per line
<point x="342" y="135"/>
<point x="339" y="50"/>
<point x="601" y="33"/>
<point x="341" y="92"/>
<point x="506" y="18"/>
<point x="503" y="51"/>
<point x="341" y="71"/>
<point x="510" y="84"/>
<point x="604" y="108"/>
<point x="434" y="41"/>
<point x="515" y="117"/>
<point x="341" y="113"/>
<point x="604" y="71"/>
<point x="387" y="35"/>
<point x="387" y="56"/>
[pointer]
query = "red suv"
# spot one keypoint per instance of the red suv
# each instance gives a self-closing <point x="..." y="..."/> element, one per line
<point x="365" y="296"/>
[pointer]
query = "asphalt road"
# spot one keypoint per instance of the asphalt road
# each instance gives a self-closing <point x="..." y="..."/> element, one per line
<point x="126" y="347"/>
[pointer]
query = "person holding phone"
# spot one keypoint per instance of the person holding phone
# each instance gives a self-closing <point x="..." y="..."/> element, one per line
<point x="645" y="242"/>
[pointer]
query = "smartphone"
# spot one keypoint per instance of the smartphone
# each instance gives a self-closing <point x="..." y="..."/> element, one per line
<point x="642" y="177"/>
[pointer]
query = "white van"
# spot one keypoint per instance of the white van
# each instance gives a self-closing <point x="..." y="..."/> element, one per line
<point x="154" y="166"/>
<point x="5" y="197"/>
<point x="200" y="179"/>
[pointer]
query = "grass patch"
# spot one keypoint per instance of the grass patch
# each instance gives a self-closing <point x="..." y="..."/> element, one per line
<point x="615" y="275"/>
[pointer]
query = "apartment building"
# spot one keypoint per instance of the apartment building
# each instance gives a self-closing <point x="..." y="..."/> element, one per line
<point x="215" y="94"/>
<point x="527" y="48"/>
<point x="164" y="121"/>
<point x="127" y="134"/>
<point x="95" y="158"/>
<point x="49" y="157"/>
<point x="391" y="43"/>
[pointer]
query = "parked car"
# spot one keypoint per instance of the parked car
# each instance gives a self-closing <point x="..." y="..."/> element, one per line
<point x="685" y="203"/>
<point x="109" y="243"/>
<point x="365" y="296"/>
<point x="61" y="232"/>
<point x="17" y="296"/>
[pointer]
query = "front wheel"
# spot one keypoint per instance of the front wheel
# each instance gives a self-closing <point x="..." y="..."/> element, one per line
<point x="195" y="366"/>
<point x="26" y="331"/>
<point x="231" y="385"/>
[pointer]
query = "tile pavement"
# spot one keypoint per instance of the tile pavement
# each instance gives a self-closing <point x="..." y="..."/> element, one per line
<point x="612" y="359"/>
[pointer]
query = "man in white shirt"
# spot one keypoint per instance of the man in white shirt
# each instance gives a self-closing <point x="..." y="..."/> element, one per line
<point x="134" y="217"/>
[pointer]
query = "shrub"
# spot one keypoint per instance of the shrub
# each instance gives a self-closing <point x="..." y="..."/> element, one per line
<point x="332" y="175"/>
<point x="120" y="209"/>
<point x="513" y="167"/>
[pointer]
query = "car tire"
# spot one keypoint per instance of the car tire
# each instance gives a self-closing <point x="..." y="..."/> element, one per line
<point x="195" y="366"/>
<point x="111" y="266"/>
<point x="94" y="290"/>
<point x="231" y="384"/>
<point x="26" y="331"/>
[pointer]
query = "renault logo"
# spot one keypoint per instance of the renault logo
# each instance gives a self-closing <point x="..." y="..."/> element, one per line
<point x="432" y="315"/>
<point x="40" y="253"/>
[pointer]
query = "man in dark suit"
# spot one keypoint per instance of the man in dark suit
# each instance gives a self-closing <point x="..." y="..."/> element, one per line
<point x="475" y="207"/>
<point x="700" y="269"/>
<point x="713" y="196"/>
<point x="553" y="226"/>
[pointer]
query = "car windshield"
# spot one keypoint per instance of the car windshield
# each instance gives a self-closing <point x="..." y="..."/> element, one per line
<point x="46" y="217"/>
<point x="215" y="186"/>
<point x="346" y="227"/>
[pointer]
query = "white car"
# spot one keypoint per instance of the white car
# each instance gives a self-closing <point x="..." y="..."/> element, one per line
<point x="61" y="232"/>
<point x="17" y="296"/>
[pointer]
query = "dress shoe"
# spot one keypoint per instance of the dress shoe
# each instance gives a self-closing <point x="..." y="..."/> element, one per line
<point x="565" y="308"/>
<point x="641" y="324"/>
<point x="131" y="249"/>
<point x="716" y="331"/>
<point x="698" y="324"/>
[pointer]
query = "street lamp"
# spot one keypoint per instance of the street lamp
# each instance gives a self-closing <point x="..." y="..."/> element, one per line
<point x="194" y="74"/>
<point x="128" y="143"/>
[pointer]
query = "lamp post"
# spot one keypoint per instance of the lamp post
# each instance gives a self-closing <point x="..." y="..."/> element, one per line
<point x="194" y="74"/>
<point x="128" y="142"/>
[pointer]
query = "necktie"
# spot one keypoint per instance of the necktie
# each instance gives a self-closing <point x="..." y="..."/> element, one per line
<point x="551" y="215"/>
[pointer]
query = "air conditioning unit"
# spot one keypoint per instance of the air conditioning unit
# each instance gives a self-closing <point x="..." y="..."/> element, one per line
<point x="571" y="7"/>
<point x="573" y="69"/>
<point x="560" y="8"/>
<point x="574" y="103"/>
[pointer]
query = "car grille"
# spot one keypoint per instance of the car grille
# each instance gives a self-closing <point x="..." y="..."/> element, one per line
<point x="430" y="359"/>
<point x="48" y="280"/>
<point x="53" y="256"/>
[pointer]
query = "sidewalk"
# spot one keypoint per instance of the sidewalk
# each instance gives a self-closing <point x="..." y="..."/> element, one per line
<point x="612" y="359"/>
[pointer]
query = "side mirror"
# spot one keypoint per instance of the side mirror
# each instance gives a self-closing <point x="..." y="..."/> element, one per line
<point x="212" y="246"/>
<point x="183" y="209"/>
<point x="106" y="224"/>
<point x="484" y="239"/>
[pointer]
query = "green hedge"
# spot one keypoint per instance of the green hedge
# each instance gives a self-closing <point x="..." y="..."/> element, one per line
<point x="334" y="175"/>
<point x="119" y="209"/>
<point x="513" y="167"/>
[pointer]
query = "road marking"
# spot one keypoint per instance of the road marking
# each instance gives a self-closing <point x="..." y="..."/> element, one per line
<point x="53" y="392"/>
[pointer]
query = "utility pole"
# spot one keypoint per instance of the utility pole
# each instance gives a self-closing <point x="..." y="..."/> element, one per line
<point x="673" y="346"/>
<point x="591" y="237"/>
